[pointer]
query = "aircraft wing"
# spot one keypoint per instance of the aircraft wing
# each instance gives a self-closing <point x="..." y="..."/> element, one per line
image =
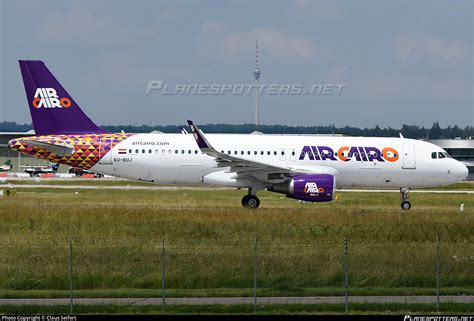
<point x="59" y="149"/>
<point x="263" y="171"/>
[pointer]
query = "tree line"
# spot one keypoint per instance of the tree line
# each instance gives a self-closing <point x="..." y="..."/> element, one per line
<point x="408" y="131"/>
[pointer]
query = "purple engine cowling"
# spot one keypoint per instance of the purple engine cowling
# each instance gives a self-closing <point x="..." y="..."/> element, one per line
<point x="310" y="188"/>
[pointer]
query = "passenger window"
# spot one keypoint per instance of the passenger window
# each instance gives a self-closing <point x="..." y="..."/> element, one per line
<point x="143" y="151"/>
<point x="195" y="151"/>
<point x="189" y="151"/>
<point x="282" y="152"/>
<point x="293" y="153"/>
<point x="275" y="153"/>
<point x="176" y="151"/>
<point x="261" y="152"/>
<point x="182" y="151"/>
<point x="255" y="152"/>
<point x="268" y="152"/>
<point x="241" y="152"/>
<point x="228" y="152"/>
<point x="136" y="151"/>
<point x="248" y="152"/>
<point x="441" y="155"/>
<point x="130" y="151"/>
<point x="235" y="152"/>
<point x="433" y="155"/>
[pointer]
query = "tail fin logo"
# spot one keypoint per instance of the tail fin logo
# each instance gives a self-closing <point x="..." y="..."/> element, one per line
<point x="48" y="98"/>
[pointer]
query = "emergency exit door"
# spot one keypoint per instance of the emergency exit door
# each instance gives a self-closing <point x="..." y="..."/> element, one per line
<point x="105" y="151"/>
<point x="409" y="161"/>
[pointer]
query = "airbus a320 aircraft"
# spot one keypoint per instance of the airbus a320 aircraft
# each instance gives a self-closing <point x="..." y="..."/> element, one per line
<point x="305" y="167"/>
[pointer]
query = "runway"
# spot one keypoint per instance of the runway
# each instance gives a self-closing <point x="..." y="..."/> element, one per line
<point x="241" y="300"/>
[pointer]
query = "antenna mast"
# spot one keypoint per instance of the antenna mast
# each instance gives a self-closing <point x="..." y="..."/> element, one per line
<point x="256" y="74"/>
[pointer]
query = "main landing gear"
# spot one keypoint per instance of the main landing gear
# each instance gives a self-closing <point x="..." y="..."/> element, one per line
<point x="250" y="201"/>
<point x="405" y="205"/>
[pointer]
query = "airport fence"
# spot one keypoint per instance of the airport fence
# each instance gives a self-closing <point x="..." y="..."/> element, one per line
<point x="253" y="272"/>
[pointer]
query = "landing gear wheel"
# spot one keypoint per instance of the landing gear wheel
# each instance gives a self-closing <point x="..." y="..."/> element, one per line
<point x="405" y="205"/>
<point x="250" y="201"/>
<point x="245" y="200"/>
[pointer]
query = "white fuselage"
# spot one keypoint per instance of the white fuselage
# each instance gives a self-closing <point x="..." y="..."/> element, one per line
<point x="176" y="158"/>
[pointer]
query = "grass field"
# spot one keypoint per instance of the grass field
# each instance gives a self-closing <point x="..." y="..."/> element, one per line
<point x="209" y="243"/>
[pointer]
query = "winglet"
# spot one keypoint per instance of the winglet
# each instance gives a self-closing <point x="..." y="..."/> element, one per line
<point x="199" y="137"/>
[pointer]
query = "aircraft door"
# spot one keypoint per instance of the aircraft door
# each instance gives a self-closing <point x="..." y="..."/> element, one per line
<point x="409" y="161"/>
<point x="105" y="151"/>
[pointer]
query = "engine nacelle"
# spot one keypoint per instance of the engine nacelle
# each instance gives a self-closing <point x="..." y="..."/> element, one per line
<point x="310" y="188"/>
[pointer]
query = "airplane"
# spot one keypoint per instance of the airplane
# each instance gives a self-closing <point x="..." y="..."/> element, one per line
<point x="41" y="169"/>
<point x="6" y="166"/>
<point x="303" y="167"/>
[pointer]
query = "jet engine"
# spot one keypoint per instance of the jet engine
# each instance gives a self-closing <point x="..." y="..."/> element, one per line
<point x="310" y="188"/>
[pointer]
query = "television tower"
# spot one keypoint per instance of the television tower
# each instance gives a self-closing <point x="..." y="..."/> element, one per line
<point x="256" y="74"/>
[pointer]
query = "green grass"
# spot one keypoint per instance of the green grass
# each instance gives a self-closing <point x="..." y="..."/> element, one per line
<point x="209" y="243"/>
<point x="355" y="308"/>
<point x="228" y="292"/>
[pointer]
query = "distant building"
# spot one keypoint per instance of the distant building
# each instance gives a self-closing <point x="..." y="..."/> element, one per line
<point x="460" y="149"/>
<point x="19" y="159"/>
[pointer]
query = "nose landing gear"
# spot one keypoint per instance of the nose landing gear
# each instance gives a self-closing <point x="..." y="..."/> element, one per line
<point x="405" y="205"/>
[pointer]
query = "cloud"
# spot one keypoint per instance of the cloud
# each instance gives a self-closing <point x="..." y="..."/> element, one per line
<point x="317" y="9"/>
<point x="86" y="28"/>
<point x="218" y="37"/>
<point x="415" y="87"/>
<point x="414" y="49"/>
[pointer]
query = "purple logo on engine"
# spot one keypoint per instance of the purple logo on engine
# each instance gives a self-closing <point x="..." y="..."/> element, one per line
<point x="314" y="188"/>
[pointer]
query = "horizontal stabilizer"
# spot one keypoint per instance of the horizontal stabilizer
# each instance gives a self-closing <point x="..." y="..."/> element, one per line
<point x="59" y="149"/>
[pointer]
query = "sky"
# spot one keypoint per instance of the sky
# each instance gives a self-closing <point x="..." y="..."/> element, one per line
<point x="400" y="62"/>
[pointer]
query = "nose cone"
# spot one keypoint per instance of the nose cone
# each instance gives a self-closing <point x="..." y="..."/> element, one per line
<point x="461" y="171"/>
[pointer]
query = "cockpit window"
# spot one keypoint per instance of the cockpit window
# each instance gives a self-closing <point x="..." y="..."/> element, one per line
<point x="447" y="155"/>
<point x="434" y="155"/>
<point x="441" y="155"/>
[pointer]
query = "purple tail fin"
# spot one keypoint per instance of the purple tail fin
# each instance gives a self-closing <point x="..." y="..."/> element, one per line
<point x="52" y="109"/>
